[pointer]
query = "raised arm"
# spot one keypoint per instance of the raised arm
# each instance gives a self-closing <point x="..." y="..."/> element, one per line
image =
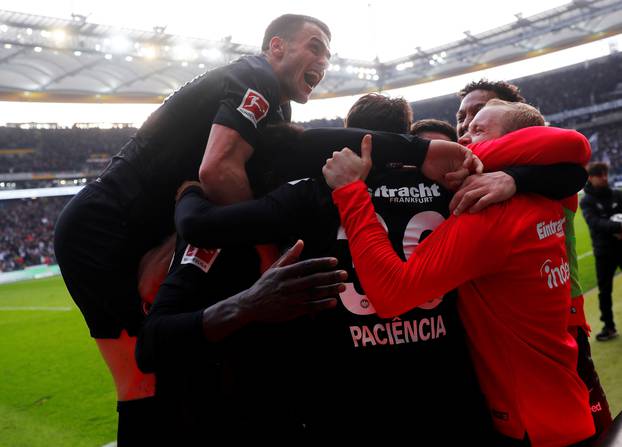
<point x="534" y="146"/>
<point x="316" y="145"/>
<point x="555" y="182"/>
<point x="283" y="212"/>
<point x="443" y="261"/>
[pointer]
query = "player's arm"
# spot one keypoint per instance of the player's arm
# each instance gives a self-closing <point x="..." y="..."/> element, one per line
<point x="536" y="145"/>
<point x="552" y="181"/>
<point x="250" y="96"/>
<point x="460" y="249"/>
<point x="223" y="168"/>
<point x="443" y="261"/>
<point x="317" y="145"/>
<point x="529" y="146"/>
<point x="174" y="331"/>
<point x="279" y="214"/>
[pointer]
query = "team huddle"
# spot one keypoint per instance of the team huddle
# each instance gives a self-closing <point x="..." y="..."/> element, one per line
<point x="384" y="281"/>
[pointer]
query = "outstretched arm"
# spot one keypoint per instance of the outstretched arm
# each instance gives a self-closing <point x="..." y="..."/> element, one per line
<point x="281" y="213"/>
<point x="555" y="182"/>
<point x="444" y="260"/>
<point x="534" y="146"/>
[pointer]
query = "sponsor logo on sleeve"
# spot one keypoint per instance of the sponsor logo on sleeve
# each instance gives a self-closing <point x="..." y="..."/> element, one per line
<point x="200" y="257"/>
<point x="254" y="106"/>
<point x="555" y="275"/>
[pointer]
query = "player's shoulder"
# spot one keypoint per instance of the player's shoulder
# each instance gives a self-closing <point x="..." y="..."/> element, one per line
<point x="256" y="66"/>
<point x="522" y="208"/>
<point x="530" y="208"/>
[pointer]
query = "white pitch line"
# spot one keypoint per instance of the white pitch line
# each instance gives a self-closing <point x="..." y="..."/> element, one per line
<point x="584" y="255"/>
<point x="49" y="309"/>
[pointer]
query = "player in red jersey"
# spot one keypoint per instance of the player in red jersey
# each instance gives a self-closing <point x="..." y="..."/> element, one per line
<point x="492" y="123"/>
<point x="510" y="265"/>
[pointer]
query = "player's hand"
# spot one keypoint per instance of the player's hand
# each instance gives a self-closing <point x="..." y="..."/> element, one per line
<point x="185" y="185"/>
<point x="346" y="167"/>
<point x="450" y="163"/>
<point x="482" y="190"/>
<point x="290" y="289"/>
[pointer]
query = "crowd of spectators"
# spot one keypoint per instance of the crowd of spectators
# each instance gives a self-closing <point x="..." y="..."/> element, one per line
<point x="606" y="142"/>
<point x="27" y="224"/>
<point x="581" y="85"/>
<point x="27" y="231"/>
<point x="49" y="150"/>
<point x="88" y="150"/>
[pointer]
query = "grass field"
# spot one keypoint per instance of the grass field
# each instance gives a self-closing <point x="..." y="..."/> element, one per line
<point x="56" y="391"/>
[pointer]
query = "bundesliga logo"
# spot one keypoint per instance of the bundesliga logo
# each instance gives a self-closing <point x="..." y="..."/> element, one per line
<point x="200" y="257"/>
<point x="254" y="107"/>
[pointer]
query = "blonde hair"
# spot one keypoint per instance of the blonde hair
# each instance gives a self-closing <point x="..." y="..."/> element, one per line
<point x="519" y="116"/>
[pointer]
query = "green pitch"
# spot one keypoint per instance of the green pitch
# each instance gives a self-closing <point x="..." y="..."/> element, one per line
<point x="56" y="391"/>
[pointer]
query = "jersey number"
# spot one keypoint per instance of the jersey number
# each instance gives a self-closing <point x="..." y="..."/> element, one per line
<point x="417" y="229"/>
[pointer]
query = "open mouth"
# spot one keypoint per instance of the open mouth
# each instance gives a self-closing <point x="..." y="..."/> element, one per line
<point x="312" y="78"/>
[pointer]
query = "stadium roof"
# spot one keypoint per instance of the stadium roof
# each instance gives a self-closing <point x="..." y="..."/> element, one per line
<point x="56" y="60"/>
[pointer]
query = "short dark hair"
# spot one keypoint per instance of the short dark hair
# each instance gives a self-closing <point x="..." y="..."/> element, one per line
<point x="503" y="90"/>
<point x="434" y="125"/>
<point x="597" y="168"/>
<point x="287" y="25"/>
<point x="378" y="112"/>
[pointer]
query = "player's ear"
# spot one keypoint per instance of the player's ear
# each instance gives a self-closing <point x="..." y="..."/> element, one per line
<point x="277" y="46"/>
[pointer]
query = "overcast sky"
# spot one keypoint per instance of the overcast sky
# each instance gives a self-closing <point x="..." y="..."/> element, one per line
<point x="361" y="29"/>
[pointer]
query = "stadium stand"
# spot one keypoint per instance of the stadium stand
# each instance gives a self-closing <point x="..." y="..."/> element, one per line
<point x="49" y="150"/>
<point x="586" y="96"/>
<point x="27" y="234"/>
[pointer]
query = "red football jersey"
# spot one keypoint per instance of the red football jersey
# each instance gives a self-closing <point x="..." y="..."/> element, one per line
<point x="509" y="263"/>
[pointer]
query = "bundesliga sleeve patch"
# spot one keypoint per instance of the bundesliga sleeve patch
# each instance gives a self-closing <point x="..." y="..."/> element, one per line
<point x="254" y="106"/>
<point x="200" y="257"/>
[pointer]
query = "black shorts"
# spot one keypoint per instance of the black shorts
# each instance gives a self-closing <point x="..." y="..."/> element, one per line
<point x="98" y="251"/>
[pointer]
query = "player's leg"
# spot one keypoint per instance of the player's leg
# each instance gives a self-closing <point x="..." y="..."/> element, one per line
<point x="137" y="405"/>
<point x="93" y="247"/>
<point x="605" y="268"/>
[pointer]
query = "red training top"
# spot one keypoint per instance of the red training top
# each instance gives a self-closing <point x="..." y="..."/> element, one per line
<point x="509" y="262"/>
<point x="544" y="145"/>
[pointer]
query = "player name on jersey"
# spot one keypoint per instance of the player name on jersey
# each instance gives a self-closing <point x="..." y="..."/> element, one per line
<point x="398" y="331"/>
